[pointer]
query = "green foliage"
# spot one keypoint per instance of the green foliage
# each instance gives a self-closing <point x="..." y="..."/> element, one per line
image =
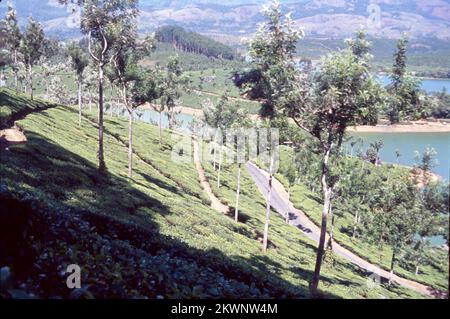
<point x="405" y="101"/>
<point x="11" y="37"/>
<point x="272" y="50"/>
<point x="362" y="228"/>
<point x="193" y="42"/>
<point x="152" y="236"/>
<point x="31" y="46"/>
<point x="79" y="60"/>
<point x="224" y="115"/>
<point x="190" y="61"/>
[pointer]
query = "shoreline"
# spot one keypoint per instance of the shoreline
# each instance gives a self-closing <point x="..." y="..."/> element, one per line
<point x="417" y="77"/>
<point x="416" y="127"/>
<point x="427" y="127"/>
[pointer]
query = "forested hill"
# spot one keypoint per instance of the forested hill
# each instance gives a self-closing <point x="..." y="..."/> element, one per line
<point x="193" y="42"/>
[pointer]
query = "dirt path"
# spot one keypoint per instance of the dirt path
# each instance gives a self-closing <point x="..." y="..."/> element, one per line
<point x="216" y="204"/>
<point x="282" y="205"/>
<point x="11" y="136"/>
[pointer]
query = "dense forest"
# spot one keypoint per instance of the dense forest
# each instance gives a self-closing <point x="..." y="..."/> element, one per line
<point x="193" y="42"/>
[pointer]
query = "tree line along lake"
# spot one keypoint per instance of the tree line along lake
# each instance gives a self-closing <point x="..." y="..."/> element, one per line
<point x="405" y="143"/>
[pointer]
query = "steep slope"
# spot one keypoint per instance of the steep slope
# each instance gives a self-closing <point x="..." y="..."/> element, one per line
<point x="152" y="236"/>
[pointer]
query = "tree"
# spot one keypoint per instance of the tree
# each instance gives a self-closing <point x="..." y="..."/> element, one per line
<point x="345" y="95"/>
<point x="291" y="173"/>
<point x="13" y="39"/>
<point x="240" y="157"/>
<point x="125" y="65"/>
<point x="104" y="23"/>
<point x="57" y="91"/>
<point x="271" y="50"/>
<point x="169" y="82"/>
<point x="223" y="117"/>
<point x="90" y="84"/>
<point x="31" y="49"/>
<point x="405" y="99"/>
<point x="128" y="75"/>
<point x="360" y="46"/>
<point x="396" y="215"/>
<point x="79" y="62"/>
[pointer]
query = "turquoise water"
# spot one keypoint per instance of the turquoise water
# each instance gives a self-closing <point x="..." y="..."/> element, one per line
<point x="428" y="85"/>
<point x="407" y="144"/>
<point x="153" y="117"/>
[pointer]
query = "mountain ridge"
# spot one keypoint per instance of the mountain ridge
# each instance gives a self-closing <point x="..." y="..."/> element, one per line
<point x="240" y="18"/>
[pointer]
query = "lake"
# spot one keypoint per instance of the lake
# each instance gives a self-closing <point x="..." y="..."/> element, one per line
<point x="407" y="144"/>
<point x="428" y="85"/>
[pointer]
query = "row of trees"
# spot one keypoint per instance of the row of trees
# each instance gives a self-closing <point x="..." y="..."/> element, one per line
<point x="109" y="53"/>
<point x="115" y="49"/>
<point x="27" y="48"/>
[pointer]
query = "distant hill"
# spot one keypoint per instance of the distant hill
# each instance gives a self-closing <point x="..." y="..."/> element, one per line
<point x="193" y="42"/>
<point x="336" y="19"/>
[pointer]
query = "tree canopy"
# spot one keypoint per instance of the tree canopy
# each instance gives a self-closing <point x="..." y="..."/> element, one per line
<point x="193" y="42"/>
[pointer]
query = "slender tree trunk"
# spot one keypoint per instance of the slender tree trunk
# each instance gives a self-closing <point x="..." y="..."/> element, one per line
<point x="214" y="155"/>
<point x="238" y="191"/>
<point x="220" y="167"/>
<point x="355" y="223"/>
<point x="160" y="130"/>
<point x="79" y="102"/>
<point x="327" y="192"/>
<point x="330" y="233"/>
<point x="101" y="159"/>
<point x="269" y="197"/>
<point x="130" y="143"/>
<point x="391" y="273"/>
<point x="30" y="81"/>
<point x="90" y="100"/>
<point x="289" y="199"/>
<point x="15" y="72"/>
<point x="380" y="246"/>
<point x="110" y="100"/>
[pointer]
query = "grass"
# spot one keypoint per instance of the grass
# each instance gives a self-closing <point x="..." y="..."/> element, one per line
<point x="13" y="106"/>
<point x="433" y="273"/>
<point x="154" y="235"/>
<point x="214" y="80"/>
